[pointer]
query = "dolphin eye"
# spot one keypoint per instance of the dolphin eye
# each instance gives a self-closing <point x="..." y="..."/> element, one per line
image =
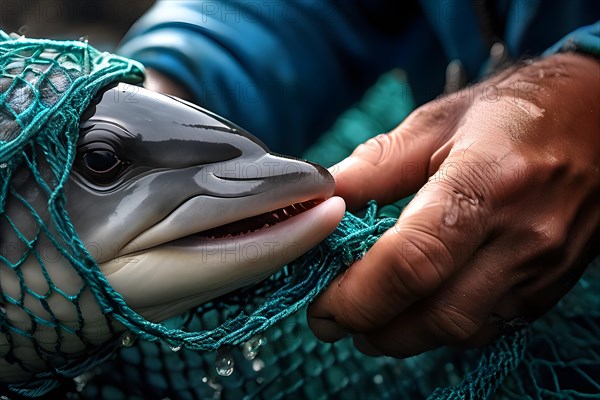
<point x="101" y="161"/>
<point x="101" y="166"/>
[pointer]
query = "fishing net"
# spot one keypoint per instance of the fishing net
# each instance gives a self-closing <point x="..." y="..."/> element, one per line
<point x="253" y="343"/>
<point x="45" y="86"/>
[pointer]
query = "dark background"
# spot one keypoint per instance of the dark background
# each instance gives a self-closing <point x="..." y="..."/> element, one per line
<point x="104" y="22"/>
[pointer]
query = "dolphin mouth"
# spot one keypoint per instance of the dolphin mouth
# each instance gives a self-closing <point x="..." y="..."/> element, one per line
<point x="258" y="222"/>
<point x="212" y="262"/>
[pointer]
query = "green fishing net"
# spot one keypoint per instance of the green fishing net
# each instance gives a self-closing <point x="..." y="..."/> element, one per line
<point x="44" y="88"/>
<point x="253" y="343"/>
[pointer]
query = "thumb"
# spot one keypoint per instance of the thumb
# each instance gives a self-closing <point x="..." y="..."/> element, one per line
<point x="394" y="165"/>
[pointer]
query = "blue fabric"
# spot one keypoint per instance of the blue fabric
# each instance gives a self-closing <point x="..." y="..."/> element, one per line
<point x="585" y="40"/>
<point x="284" y="70"/>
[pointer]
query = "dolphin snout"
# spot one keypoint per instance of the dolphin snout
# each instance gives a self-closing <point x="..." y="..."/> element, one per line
<point x="274" y="171"/>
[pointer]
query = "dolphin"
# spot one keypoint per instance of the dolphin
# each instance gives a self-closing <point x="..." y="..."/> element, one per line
<point x="177" y="206"/>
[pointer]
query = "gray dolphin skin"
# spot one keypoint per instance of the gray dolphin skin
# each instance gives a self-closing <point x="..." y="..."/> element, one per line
<point x="176" y="205"/>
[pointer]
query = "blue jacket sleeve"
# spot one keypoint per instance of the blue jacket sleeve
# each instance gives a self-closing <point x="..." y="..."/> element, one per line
<point x="282" y="70"/>
<point x="585" y="40"/>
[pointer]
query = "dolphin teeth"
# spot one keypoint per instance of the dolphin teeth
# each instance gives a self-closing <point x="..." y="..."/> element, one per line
<point x="258" y="222"/>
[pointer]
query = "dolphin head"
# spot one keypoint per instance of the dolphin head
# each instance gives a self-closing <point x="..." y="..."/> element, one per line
<point x="176" y="205"/>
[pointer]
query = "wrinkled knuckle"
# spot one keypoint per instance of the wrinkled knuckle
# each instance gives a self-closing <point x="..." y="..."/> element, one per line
<point x="377" y="149"/>
<point x="420" y="260"/>
<point x="451" y="325"/>
<point x="473" y="180"/>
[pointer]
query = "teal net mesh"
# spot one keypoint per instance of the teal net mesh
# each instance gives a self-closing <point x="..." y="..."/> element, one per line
<point x="256" y="336"/>
<point x="44" y="88"/>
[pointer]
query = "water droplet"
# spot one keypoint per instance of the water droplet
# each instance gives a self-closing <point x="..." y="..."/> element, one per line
<point x="81" y="381"/>
<point x="128" y="339"/>
<point x="257" y="364"/>
<point x="260" y="380"/>
<point x="175" y="349"/>
<point x="2" y="311"/>
<point x="252" y="346"/>
<point x="224" y="362"/>
<point x="3" y="165"/>
<point x="378" y="379"/>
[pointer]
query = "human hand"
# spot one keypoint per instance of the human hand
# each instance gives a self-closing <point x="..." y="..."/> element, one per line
<point x="507" y="219"/>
